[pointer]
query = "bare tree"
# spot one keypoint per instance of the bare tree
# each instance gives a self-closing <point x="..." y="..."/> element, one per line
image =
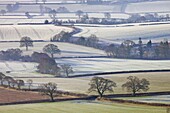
<point x="29" y="82"/>
<point x="107" y="15"/>
<point x="79" y="13"/>
<point x="67" y="69"/>
<point x="20" y="83"/>
<point x="49" y="89"/>
<point x="26" y="42"/>
<point x="51" y="49"/>
<point x="2" y="76"/>
<point x="8" y="79"/>
<point x="13" y="83"/>
<point x="44" y="1"/>
<point x="27" y="14"/>
<point x="101" y="85"/>
<point x="53" y="14"/>
<point x="92" y="40"/>
<point x="134" y="84"/>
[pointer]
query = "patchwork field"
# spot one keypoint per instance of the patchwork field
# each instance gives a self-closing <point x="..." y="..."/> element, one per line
<point x="81" y="107"/>
<point x="117" y="34"/>
<point x="36" y="32"/>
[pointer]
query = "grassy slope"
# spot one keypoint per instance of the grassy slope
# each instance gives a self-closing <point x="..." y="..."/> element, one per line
<point x="76" y="107"/>
<point x="158" y="81"/>
<point x="67" y="50"/>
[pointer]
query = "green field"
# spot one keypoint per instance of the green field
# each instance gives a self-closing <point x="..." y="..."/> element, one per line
<point x="80" y="107"/>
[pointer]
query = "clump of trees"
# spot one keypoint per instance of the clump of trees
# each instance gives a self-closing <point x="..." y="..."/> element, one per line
<point x="101" y="85"/>
<point x="48" y="66"/>
<point x="12" y="7"/>
<point x="3" y="12"/>
<point x="49" y="89"/>
<point x="61" y="37"/>
<point x="11" y="54"/>
<point x="128" y="49"/>
<point x="134" y="84"/>
<point x="62" y="10"/>
<point x="91" y="41"/>
<point x="38" y="57"/>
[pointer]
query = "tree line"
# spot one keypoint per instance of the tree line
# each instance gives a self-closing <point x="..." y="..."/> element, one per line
<point x="127" y="49"/>
<point x="97" y="84"/>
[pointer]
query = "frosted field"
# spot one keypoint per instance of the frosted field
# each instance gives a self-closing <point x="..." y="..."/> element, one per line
<point x="23" y="69"/>
<point x="146" y="7"/>
<point x="70" y="7"/>
<point x="36" y="32"/>
<point x="67" y="50"/>
<point x="119" y="33"/>
<point x="151" y="99"/>
<point x="97" y="65"/>
<point x="12" y="19"/>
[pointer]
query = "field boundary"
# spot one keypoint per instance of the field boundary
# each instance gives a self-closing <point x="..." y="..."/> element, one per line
<point x="120" y="72"/>
<point x="104" y="73"/>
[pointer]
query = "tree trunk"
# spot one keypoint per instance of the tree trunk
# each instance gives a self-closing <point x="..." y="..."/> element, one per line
<point x="134" y="93"/>
<point x="67" y="73"/>
<point x="52" y="56"/>
<point x="2" y="82"/>
<point x="26" y="48"/>
<point x="52" y="98"/>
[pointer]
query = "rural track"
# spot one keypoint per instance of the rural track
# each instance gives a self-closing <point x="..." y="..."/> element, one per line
<point x="19" y="34"/>
<point x="7" y="65"/>
<point x="35" y="32"/>
<point x="1" y="34"/>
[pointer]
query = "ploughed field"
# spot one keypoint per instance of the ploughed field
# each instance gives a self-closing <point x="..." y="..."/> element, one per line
<point x="36" y="32"/>
<point x="11" y="95"/>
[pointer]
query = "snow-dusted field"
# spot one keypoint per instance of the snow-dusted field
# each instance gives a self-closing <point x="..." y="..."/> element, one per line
<point x="97" y="65"/>
<point x="23" y="69"/>
<point x="11" y="18"/>
<point x="146" y="7"/>
<point x="119" y="33"/>
<point x="151" y="99"/>
<point x="36" y="32"/>
<point x="67" y="50"/>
